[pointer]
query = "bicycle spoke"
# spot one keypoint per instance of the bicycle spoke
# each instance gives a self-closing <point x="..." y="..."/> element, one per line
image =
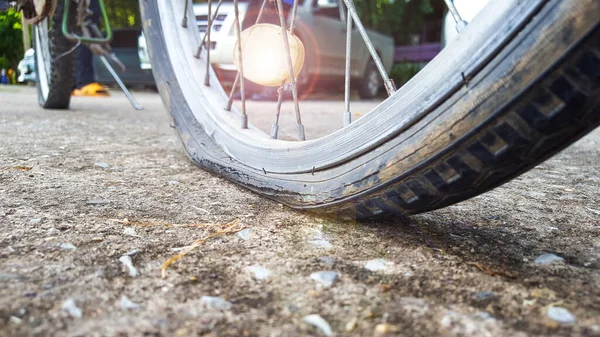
<point x="280" y="90"/>
<point x="460" y="23"/>
<point x="275" y="126"/>
<point x="293" y="20"/>
<point x="390" y="87"/>
<point x="197" y="55"/>
<point x="184" y="20"/>
<point x="286" y="45"/>
<point x="235" y="84"/>
<point x="208" y="29"/>
<point x="241" y="70"/>
<point x="347" y="114"/>
<point x="237" y="76"/>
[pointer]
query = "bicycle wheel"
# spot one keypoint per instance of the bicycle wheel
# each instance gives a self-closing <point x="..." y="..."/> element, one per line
<point x="53" y="61"/>
<point x="519" y="84"/>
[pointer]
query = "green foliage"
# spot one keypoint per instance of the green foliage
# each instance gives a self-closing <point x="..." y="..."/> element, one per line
<point x="398" y="18"/>
<point x="11" y="38"/>
<point x="123" y="13"/>
<point x="4" y="63"/>
<point x="404" y="71"/>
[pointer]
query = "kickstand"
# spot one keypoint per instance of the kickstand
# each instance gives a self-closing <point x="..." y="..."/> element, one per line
<point x="132" y="100"/>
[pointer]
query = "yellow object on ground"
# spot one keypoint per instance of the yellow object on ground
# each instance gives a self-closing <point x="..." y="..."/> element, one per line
<point x="92" y="89"/>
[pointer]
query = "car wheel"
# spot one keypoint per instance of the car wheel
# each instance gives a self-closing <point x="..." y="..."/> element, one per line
<point x="370" y="83"/>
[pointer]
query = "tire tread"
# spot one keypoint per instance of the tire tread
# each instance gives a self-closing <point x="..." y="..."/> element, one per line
<point x="543" y="121"/>
<point x="61" y="82"/>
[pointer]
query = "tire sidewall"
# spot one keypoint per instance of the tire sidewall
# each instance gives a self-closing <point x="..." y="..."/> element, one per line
<point x="38" y="74"/>
<point x="60" y="75"/>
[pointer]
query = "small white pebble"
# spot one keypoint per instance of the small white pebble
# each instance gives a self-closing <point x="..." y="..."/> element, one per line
<point x="595" y="211"/>
<point x="130" y="231"/>
<point x="71" y="308"/>
<point x="561" y="315"/>
<point x="351" y="324"/>
<point x="15" y="320"/>
<point x="324" y="278"/>
<point x="245" y="234"/>
<point x="217" y="303"/>
<point x="318" y="322"/>
<point x="127" y="304"/>
<point x="102" y="165"/>
<point x="385" y="329"/>
<point x="67" y="246"/>
<point x="548" y="259"/>
<point x="376" y="265"/>
<point x="483" y="315"/>
<point x="259" y="272"/>
<point x="128" y="263"/>
<point x="322" y="243"/>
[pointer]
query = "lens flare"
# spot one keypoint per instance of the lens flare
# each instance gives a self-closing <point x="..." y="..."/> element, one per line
<point x="264" y="56"/>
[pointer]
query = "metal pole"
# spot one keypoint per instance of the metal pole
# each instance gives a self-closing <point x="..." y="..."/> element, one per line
<point x="132" y="100"/>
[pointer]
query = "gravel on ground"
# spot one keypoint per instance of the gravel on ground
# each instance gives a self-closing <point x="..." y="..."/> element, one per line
<point x="94" y="200"/>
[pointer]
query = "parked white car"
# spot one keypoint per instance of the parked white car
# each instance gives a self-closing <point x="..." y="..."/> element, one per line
<point x="321" y="25"/>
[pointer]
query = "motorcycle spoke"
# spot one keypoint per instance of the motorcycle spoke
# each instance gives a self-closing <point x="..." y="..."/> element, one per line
<point x="238" y="29"/>
<point x="286" y="44"/>
<point x="390" y="87"/>
<point x="460" y="23"/>
<point x="347" y="114"/>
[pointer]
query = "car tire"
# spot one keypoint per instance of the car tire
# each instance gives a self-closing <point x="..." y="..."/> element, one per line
<point x="370" y="84"/>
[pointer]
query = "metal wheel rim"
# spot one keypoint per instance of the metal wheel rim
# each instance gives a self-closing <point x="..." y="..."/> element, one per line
<point x="385" y="121"/>
<point x="43" y="58"/>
